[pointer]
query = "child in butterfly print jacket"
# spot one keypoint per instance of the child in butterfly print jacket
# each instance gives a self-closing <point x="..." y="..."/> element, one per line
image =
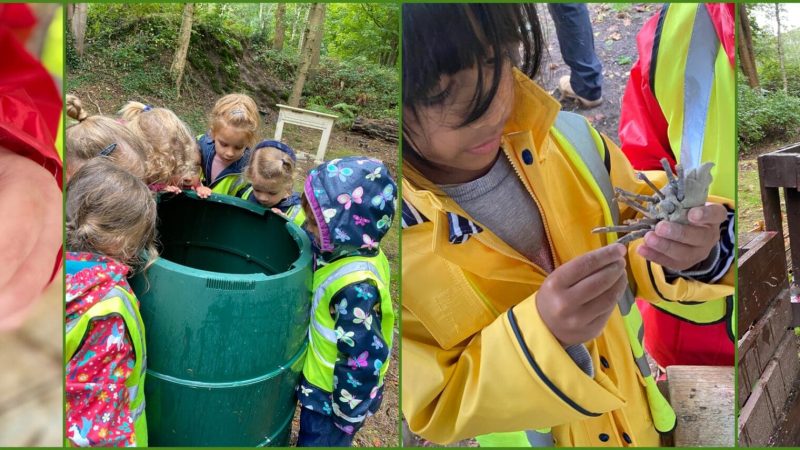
<point x="349" y="204"/>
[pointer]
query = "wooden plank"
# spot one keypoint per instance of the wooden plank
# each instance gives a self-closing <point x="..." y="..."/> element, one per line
<point x="770" y="196"/>
<point x="748" y="366"/>
<point x="748" y="240"/>
<point x="758" y="345"/>
<point x="778" y="169"/>
<point x="762" y="275"/>
<point x="792" y="197"/>
<point x="756" y="419"/>
<point x="767" y="402"/>
<point x="788" y="360"/>
<point x="703" y="399"/>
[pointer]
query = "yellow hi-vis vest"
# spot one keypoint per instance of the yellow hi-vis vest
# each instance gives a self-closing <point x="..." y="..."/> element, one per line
<point x="53" y="61"/>
<point x="295" y="214"/>
<point x="117" y="302"/>
<point x="322" y="337"/>
<point x="693" y="81"/>
<point x="586" y="150"/>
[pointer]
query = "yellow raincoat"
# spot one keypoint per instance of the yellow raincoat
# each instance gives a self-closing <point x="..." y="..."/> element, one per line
<point x="465" y="372"/>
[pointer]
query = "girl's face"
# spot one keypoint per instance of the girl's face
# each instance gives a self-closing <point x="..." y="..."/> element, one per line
<point x="269" y="192"/>
<point x="311" y="222"/>
<point x="446" y="152"/>
<point x="229" y="143"/>
<point x="189" y="174"/>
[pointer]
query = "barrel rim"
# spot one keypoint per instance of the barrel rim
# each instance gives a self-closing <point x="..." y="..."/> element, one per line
<point x="302" y="263"/>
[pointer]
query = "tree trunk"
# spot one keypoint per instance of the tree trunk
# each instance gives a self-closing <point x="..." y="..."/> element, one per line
<point x="385" y="129"/>
<point x="306" y="55"/>
<point x="747" y="57"/>
<point x="780" y="47"/>
<point x="320" y="33"/>
<point x="179" y="62"/>
<point x="77" y="21"/>
<point x="280" y="27"/>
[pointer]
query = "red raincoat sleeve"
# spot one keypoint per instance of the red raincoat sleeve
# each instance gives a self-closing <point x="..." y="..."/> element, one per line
<point x="30" y="102"/>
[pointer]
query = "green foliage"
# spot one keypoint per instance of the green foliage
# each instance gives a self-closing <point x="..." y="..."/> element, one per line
<point x="134" y="44"/>
<point x="770" y="76"/>
<point x="621" y="7"/>
<point x="357" y="82"/>
<point x="369" y="30"/>
<point x="624" y="60"/>
<point x="765" y="116"/>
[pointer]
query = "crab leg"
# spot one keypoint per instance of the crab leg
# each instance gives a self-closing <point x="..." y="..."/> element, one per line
<point x="623" y="228"/>
<point x="632" y="236"/>
<point x="635" y="206"/>
<point x="638" y="197"/>
<point x="668" y="170"/>
<point x="643" y="177"/>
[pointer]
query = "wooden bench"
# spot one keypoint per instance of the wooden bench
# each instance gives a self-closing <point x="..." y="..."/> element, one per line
<point x="308" y="119"/>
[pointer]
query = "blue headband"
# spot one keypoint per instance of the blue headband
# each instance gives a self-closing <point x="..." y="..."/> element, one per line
<point x="279" y="145"/>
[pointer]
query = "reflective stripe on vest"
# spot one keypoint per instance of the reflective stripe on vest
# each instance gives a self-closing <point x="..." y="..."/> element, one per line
<point x="700" y="121"/>
<point x="117" y="302"/>
<point x="53" y="61"/>
<point x="587" y="152"/>
<point x="529" y="438"/>
<point x="328" y="280"/>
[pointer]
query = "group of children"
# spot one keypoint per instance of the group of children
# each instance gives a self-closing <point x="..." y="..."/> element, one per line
<point x="115" y="168"/>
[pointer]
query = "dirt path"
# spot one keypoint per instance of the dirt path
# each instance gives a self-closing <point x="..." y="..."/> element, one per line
<point x="615" y="27"/>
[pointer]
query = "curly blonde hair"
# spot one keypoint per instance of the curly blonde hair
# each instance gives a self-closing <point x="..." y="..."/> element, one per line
<point x="92" y="134"/>
<point x="111" y="212"/>
<point x="236" y="111"/>
<point x="168" y="139"/>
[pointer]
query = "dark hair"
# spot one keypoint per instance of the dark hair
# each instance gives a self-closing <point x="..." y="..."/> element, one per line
<point x="442" y="39"/>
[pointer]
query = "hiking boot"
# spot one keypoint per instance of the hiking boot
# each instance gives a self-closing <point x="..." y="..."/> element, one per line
<point x="566" y="91"/>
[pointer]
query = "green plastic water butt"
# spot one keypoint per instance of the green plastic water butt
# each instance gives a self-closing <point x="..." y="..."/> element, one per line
<point x="226" y="311"/>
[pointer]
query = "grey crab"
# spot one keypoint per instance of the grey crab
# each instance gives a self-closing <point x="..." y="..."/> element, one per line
<point x="682" y="192"/>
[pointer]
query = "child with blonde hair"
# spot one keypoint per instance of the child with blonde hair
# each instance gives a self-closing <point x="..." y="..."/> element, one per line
<point x="168" y="143"/>
<point x="270" y="174"/>
<point x="111" y="223"/>
<point x="94" y="136"/>
<point x="225" y="148"/>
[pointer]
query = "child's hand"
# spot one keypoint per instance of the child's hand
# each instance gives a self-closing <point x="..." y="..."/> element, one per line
<point x="30" y="234"/>
<point x="172" y="189"/>
<point x="576" y="300"/>
<point x="203" y="191"/>
<point x="679" y="247"/>
<point x="280" y="213"/>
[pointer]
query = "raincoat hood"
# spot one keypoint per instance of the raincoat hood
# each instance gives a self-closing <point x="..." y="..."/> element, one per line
<point x="353" y="202"/>
<point x="89" y="278"/>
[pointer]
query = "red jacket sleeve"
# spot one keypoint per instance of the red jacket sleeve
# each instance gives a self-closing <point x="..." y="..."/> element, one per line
<point x="30" y="106"/>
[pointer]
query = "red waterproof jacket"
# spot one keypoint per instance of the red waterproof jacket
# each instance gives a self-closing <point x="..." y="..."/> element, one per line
<point x="30" y="102"/>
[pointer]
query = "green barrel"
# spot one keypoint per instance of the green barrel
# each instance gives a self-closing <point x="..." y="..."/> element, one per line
<point x="226" y="311"/>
